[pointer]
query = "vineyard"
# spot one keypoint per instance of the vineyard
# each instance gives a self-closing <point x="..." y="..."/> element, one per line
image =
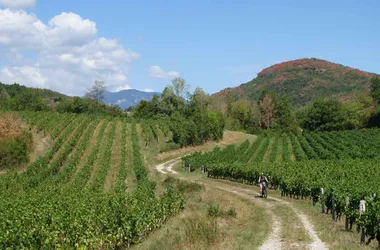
<point x="345" y="164"/>
<point x="77" y="194"/>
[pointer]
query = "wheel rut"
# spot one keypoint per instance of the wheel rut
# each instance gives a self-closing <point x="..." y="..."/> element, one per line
<point x="274" y="240"/>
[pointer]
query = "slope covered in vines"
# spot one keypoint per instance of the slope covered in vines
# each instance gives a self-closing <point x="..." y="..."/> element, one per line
<point x="59" y="205"/>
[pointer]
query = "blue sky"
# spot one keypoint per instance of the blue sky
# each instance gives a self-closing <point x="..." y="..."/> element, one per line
<point x="212" y="44"/>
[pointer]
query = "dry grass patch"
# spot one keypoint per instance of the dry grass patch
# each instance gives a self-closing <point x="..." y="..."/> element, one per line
<point x="331" y="232"/>
<point x="212" y="219"/>
<point x="9" y="126"/>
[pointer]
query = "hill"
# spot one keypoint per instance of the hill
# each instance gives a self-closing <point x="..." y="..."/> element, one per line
<point x="128" y="98"/>
<point x="302" y="81"/>
<point x="12" y="90"/>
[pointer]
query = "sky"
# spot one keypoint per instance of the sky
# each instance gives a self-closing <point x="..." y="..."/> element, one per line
<point x="67" y="45"/>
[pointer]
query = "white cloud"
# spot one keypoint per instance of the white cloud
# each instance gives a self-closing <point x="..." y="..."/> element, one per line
<point x="120" y="88"/>
<point x="156" y="72"/>
<point x="148" y="90"/>
<point x="67" y="54"/>
<point x="241" y="69"/>
<point x="70" y="28"/>
<point x="30" y="75"/>
<point x="18" y="4"/>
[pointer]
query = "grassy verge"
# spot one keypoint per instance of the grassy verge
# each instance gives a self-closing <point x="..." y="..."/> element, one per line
<point x="331" y="232"/>
<point x="212" y="219"/>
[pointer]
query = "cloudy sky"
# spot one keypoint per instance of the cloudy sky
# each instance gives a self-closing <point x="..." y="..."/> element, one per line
<point x="66" y="45"/>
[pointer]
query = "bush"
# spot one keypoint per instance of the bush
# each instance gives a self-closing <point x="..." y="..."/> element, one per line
<point x="183" y="186"/>
<point x="14" y="151"/>
<point x="170" y="146"/>
<point x="215" y="211"/>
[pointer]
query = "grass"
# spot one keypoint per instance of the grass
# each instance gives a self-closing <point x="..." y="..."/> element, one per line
<point x="331" y="232"/>
<point x="214" y="219"/>
<point x="235" y="225"/>
<point x="215" y="211"/>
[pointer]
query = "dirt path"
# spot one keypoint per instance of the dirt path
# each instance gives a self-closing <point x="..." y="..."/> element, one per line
<point x="272" y="208"/>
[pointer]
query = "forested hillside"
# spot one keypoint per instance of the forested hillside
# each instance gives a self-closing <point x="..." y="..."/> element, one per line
<point x="302" y="81"/>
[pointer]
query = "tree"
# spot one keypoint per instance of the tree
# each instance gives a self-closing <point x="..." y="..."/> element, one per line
<point x="201" y="98"/>
<point x="180" y="88"/>
<point x="3" y="93"/>
<point x="96" y="93"/>
<point x="28" y="101"/>
<point x="268" y="110"/>
<point x="284" y="113"/>
<point x="324" y="116"/>
<point x="375" y="89"/>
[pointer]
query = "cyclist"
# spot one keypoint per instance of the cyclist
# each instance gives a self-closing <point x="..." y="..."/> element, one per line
<point x="262" y="179"/>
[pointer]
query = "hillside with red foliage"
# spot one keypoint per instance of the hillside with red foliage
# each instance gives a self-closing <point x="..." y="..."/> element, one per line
<point x="302" y="81"/>
<point x="313" y="65"/>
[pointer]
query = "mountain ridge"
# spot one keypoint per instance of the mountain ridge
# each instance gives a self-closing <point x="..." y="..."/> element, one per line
<point x="128" y="98"/>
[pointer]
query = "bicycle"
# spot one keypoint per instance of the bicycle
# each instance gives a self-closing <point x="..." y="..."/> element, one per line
<point x="264" y="193"/>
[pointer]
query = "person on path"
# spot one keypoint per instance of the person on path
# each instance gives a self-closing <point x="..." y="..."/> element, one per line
<point x="262" y="179"/>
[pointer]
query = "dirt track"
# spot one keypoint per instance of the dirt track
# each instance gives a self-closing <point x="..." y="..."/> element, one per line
<point x="274" y="239"/>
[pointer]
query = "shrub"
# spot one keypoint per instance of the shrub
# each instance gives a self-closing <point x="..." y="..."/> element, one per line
<point x="14" y="151"/>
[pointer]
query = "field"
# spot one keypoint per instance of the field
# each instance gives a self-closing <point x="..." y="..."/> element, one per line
<point x="94" y="187"/>
<point x="344" y="164"/>
<point x="89" y="190"/>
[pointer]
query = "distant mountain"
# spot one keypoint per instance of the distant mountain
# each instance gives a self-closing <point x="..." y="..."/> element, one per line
<point x="128" y="98"/>
<point x="302" y="81"/>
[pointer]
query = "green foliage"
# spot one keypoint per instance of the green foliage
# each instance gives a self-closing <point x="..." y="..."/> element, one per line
<point x="180" y="87"/>
<point x="374" y="120"/>
<point x="375" y="89"/>
<point x="333" y="115"/>
<point x="189" y="121"/>
<point x="324" y="116"/>
<point x="215" y="211"/>
<point x="27" y="101"/>
<point x="335" y="161"/>
<point x="302" y="85"/>
<point x="18" y="98"/>
<point x="59" y="213"/>
<point x="87" y="106"/>
<point x="14" y="151"/>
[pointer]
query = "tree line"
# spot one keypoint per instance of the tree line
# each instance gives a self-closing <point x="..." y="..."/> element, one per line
<point x="274" y="111"/>
<point x="16" y="97"/>
<point x="186" y="113"/>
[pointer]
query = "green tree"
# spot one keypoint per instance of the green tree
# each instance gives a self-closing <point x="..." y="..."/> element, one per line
<point x="180" y="88"/>
<point x="3" y="94"/>
<point x="375" y="89"/>
<point x="201" y="98"/>
<point x="324" y="116"/>
<point x="28" y="100"/>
